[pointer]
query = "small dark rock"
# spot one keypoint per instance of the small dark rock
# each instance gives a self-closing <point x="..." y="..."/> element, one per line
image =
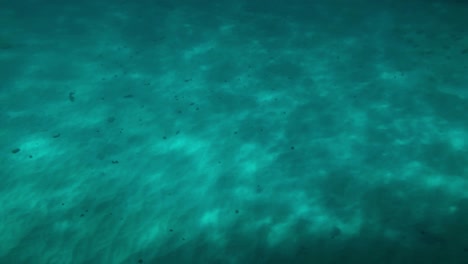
<point x="71" y="96"/>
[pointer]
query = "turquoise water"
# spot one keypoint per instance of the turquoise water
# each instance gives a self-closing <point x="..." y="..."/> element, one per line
<point x="233" y="132"/>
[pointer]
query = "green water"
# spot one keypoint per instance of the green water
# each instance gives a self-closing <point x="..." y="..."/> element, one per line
<point x="233" y="132"/>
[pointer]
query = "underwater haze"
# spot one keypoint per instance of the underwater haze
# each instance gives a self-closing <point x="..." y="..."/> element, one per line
<point x="234" y="132"/>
